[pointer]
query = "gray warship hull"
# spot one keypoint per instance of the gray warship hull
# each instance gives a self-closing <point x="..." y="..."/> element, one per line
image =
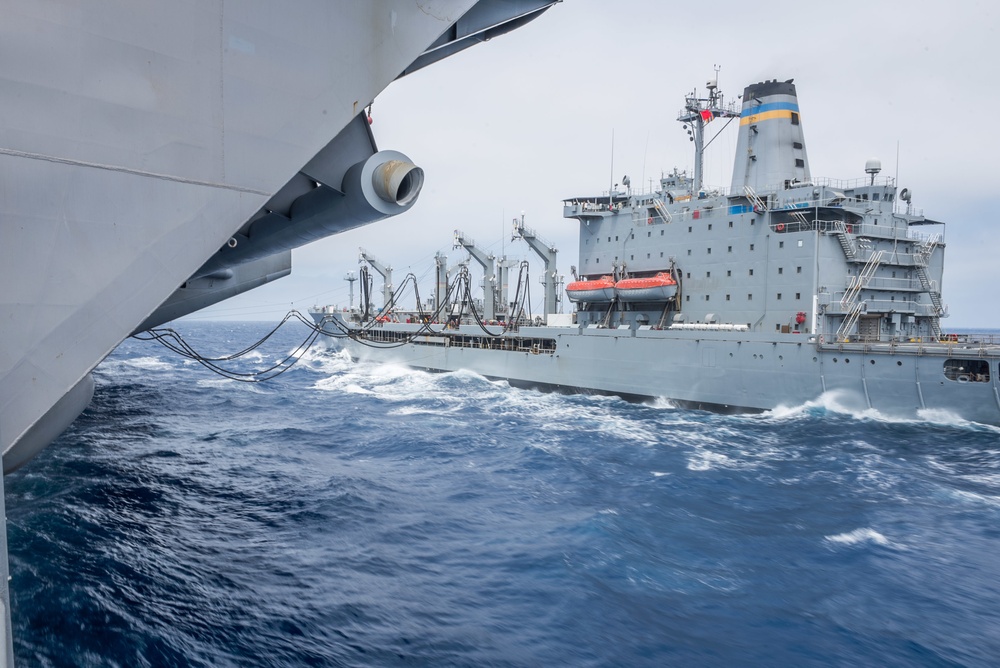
<point x="159" y="157"/>
<point x="711" y="370"/>
<point x="785" y="288"/>
<point x="158" y="160"/>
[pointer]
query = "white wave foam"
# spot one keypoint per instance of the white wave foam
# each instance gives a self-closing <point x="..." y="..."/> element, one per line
<point x="407" y="411"/>
<point x="705" y="460"/>
<point x="149" y="363"/>
<point x="857" y="536"/>
<point x="946" y="418"/>
<point x="400" y="384"/>
<point x="255" y="357"/>
<point x="325" y="361"/>
<point x="853" y="405"/>
<point x="841" y="402"/>
<point x="986" y="499"/>
<point x="230" y="383"/>
<point x="346" y="388"/>
<point x="214" y="382"/>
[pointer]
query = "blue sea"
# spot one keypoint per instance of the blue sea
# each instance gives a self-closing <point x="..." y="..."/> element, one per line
<point x="355" y="514"/>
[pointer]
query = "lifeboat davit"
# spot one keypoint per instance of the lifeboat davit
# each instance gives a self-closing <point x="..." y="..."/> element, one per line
<point x="659" y="288"/>
<point x="598" y="290"/>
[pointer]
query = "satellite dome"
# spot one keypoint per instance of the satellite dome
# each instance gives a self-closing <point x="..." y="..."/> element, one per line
<point x="873" y="166"/>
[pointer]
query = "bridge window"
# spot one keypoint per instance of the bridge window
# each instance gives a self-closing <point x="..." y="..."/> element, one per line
<point x="967" y="371"/>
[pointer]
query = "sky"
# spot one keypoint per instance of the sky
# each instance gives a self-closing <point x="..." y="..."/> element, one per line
<point x="525" y="120"/>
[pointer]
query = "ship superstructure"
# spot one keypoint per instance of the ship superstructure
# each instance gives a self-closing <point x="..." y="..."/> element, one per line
<point x="772" y="292"/>
<point x="779" y="251"/>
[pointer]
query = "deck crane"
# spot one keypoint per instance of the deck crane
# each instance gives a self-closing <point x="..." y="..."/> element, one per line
<point x="503" y="278"/>
<point x="547" y="252"/>
<point x="383" y="269"/>
<point x="440" y="282"/>
<point x="489" y="272"/>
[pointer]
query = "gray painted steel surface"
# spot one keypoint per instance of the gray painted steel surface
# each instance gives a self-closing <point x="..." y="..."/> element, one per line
<point x="789" y="287"/>
<point x="136" y="141"/>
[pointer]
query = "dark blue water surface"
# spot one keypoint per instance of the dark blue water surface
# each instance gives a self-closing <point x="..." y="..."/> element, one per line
<point x="350" y="514"/>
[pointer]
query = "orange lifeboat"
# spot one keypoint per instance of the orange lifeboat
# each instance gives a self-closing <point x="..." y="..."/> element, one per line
<point x="659" y="288"/>
<point x="598" y="290"/>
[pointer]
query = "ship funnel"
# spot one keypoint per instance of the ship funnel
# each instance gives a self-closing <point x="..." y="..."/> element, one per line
<point x="397" y="181"/>
<point x="770" y="150"/>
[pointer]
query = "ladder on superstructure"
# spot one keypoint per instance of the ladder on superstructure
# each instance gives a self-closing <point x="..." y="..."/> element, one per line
<point x="759" y="205"/>
<point x="922" y="258"/>
<point x="850" y="301"/>
<point x="846" y="240"/>
<point x="662" y="210"/>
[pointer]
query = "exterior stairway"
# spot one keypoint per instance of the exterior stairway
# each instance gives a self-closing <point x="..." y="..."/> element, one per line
<point x="846" y="241"/>
<point x="759" y="205"/>
<point x="923" y="256"/>
<point x="850" y="302"/>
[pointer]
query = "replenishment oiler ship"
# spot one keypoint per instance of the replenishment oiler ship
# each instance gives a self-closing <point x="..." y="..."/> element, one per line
<point x="781" y="290"/>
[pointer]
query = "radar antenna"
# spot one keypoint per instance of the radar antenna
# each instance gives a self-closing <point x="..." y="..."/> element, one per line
<point x="697" y="113"/>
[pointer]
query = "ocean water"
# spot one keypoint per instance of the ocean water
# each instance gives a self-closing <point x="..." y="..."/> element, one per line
<point x="349" y="514"/>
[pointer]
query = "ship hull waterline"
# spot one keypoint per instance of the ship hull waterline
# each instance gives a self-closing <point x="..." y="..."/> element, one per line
<point x="712" y="371"/>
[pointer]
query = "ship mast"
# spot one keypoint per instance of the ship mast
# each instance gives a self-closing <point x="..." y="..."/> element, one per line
<point x="697" y="113"/>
